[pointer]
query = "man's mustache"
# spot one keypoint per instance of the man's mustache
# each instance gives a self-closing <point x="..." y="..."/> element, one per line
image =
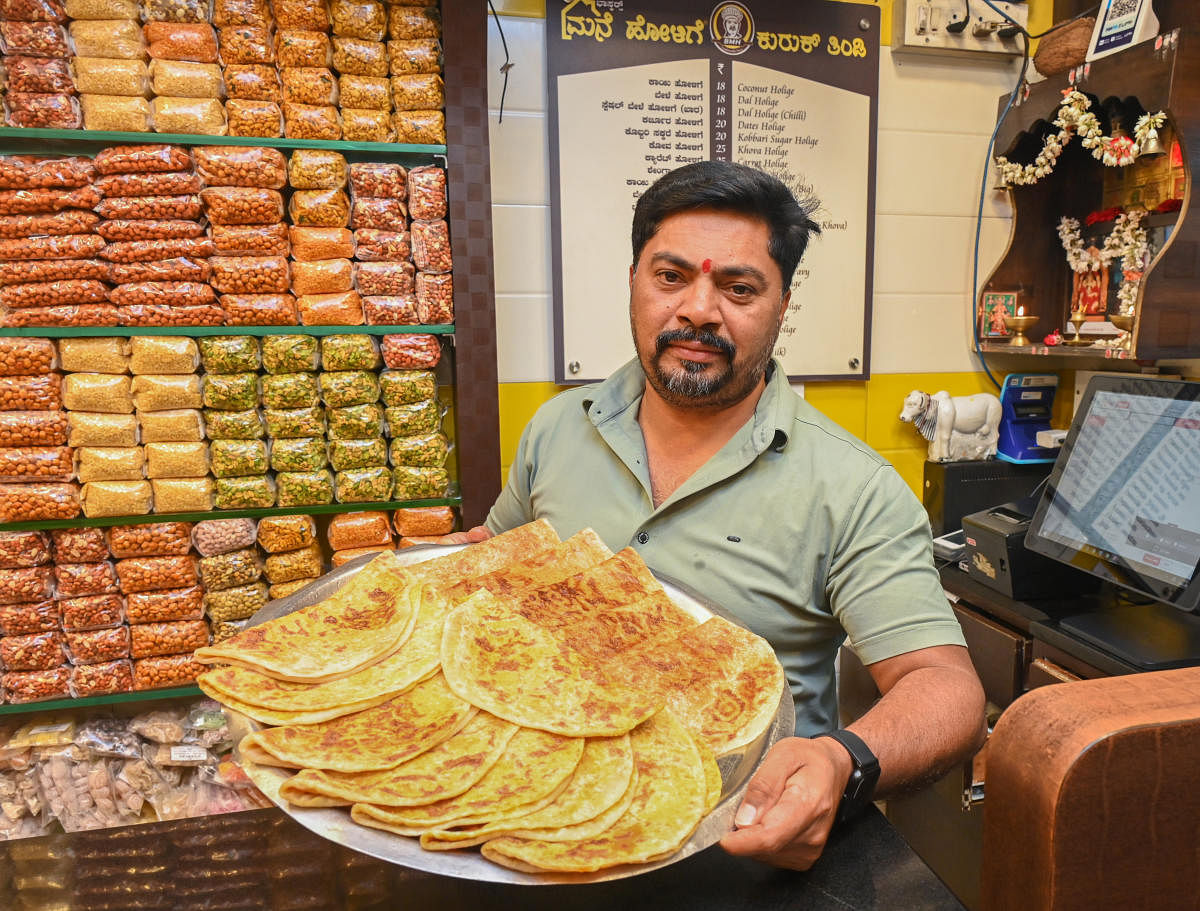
<point x="704" y="337"/>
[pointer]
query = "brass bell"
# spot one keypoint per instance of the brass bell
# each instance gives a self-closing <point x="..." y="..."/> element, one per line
<point x="1152" y="146"/>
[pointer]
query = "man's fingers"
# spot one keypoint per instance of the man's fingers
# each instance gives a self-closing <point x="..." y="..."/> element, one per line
<point x="477" y="534"/>
<point x="768" y="782"/>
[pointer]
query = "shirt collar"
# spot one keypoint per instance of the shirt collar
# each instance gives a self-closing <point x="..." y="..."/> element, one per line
<point x="623" y="390"/>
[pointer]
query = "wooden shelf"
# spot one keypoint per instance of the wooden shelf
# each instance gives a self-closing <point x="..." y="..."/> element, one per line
<point x="1144" y="77"/>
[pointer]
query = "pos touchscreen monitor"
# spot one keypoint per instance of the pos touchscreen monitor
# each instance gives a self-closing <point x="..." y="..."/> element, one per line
<point x="1123" y="503"/>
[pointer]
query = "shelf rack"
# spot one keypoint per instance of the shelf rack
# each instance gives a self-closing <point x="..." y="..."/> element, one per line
<point x="322" y="510"/>
<point x="50" y="705"/>
<point x="194" y="331"/>
<point x="1160" y="75"/>
<point x="54" y="140"/>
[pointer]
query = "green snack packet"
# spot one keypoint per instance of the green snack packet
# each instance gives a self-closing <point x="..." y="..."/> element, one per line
<point x="290" y="390"/>
<point x="364" y="485"/>
<point x="238" y="567"/>
<point x="348" y="455"/>
<point x="290" y="353"/>
<point x="428" y="450"/>
<point x="299" y="454"/>
<point x="403" y="387"/>
<point x="235" y="603"/>
<point x="233" y="425"/>
<point x="413" y="419"/>
<point x="358" y="422"/>
<point x="231" y="391"/>
<point x="350" y="352"/>
<point x="343" y="388"/>
<point x="413" y="483"/>
<point x="289" y="423"/>
<point x="244" y="493"/>
<point x="238" y="458"/>
<point x="229" y="353"/>
<point x="304" y="488"/>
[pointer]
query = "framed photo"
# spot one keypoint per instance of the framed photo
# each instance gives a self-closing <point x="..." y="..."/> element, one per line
<point x="998" y="306"/>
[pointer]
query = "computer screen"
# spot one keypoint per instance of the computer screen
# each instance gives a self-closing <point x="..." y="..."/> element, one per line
<point x="1123" y="499"/>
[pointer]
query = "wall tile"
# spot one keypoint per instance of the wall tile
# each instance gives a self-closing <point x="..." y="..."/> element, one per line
<point x="942" y="94"/>
<point x="518" y="402"/>
<point x="521" y="249"/>
<point x="526" y="40"/>
<point x="843" y="402"/>
<point x="524" y="338"/>
<point x="520" y="160"/>
<point x="906" y="185"/>
<point x="935" y="330"/>
<point x="929" y="254"/>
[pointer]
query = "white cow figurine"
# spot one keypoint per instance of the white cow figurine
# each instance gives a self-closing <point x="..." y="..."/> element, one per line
<point x="957" y="427"/>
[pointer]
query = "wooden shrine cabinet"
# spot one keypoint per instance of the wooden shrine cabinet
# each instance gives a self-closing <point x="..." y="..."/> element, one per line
<point x="1158" y="75"/>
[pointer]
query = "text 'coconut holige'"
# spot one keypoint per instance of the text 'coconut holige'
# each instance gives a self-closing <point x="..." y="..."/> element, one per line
<point x="545" y="699"/>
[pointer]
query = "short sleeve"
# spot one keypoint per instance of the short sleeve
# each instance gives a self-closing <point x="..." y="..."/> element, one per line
<point x="882" y="585"/>
<point x="512" y="508"/>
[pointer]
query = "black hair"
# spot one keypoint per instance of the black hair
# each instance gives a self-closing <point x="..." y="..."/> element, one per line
<point x="730" y="187"/>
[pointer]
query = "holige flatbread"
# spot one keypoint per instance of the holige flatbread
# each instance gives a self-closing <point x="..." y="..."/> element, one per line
<point x="515" y="669"/>
<point x="274" y="701"/>
<point x="368" y="618"/>
<point x="487" y="556"/>
<point x="380" y="737"/>
<point x="601" y="779"/>
<point x="444" y="771"/>
<point x="722" y="681"/>
<point x="667" y="805"/>
<point x="534" y="769"/>
<point x="579" y="552"/>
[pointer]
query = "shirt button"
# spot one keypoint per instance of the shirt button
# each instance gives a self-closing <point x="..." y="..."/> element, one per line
<point x="642" y="537"/>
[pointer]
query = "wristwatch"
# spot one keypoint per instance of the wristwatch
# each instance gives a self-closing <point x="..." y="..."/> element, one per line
<point x="860" y="788"/>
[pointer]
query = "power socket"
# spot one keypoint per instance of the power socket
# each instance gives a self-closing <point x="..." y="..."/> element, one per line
<point x="937" y="26"/>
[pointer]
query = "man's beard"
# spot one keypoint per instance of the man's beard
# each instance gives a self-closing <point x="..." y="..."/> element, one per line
<point x="693" y="385"/>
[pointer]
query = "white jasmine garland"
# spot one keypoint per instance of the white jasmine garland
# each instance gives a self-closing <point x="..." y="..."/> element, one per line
<point x="1074" y="119"/>
<point x="1127" y="240"/>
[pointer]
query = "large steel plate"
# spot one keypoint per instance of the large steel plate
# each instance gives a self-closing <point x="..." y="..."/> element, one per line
<point x="336" y="825"/>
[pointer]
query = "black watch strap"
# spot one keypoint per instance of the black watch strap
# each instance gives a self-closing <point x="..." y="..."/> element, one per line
<point x="860" y="788"/>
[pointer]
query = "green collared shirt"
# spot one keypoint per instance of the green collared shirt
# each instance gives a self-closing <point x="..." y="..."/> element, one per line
<point x="800" y="530"/>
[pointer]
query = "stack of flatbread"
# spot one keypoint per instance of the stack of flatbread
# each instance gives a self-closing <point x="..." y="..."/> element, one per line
<point x="544" y="699"/>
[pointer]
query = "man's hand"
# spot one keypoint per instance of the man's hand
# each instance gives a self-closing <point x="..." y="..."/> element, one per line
<point x="470" y="536"/>
<point x="791" y="802"/>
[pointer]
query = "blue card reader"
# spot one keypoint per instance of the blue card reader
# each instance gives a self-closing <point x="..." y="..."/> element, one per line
<point x="1026" y="401"/>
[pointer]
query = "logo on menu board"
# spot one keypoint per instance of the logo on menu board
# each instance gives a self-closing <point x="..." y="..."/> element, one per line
<point x="732" y="28"/>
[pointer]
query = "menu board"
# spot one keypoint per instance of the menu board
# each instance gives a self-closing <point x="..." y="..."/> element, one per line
<point x="637" y="89"/>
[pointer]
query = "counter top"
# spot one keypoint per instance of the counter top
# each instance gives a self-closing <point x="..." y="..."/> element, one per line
<point x="263" y="860"/>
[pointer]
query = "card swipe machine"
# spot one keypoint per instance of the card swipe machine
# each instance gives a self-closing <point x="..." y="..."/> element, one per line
<point x="1026" y="401"/>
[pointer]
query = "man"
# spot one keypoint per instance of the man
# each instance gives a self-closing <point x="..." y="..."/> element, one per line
<point x="700" y="456"/>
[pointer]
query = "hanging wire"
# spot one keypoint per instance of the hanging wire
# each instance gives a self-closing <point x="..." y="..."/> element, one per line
<point x="506" y="66"/>
<point x="990" y="148"/>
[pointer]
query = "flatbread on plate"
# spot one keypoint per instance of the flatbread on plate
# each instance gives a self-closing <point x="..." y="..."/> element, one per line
<point x="722" y="681"/>
<point x="380" y="737"/>
<point x="444" y="771"/>
<point x="579" y="552"/>
<point x="534" y="769"/>
<point x="667" y="805"/>
<point x="272" y="701"/>
<point x="487" y="556"/>
<point x="599" y="782"/>
<point x="515" y="669"/>
<point x="365" y="620"/>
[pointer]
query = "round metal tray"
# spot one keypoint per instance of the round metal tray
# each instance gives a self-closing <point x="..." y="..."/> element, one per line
<point x="336" y="825"/>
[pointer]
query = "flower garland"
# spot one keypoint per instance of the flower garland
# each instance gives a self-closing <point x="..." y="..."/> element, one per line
<point x="1128" y="240"/>
<point x="1073" y="119"/>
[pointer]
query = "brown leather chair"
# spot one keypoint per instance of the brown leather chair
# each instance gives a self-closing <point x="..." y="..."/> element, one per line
<point x="1093" y="797"/>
